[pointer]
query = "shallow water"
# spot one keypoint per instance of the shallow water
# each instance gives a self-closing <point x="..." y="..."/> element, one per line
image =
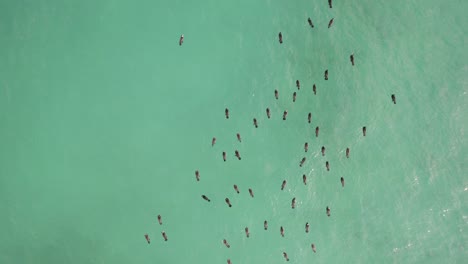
<point x="104" y="119"/>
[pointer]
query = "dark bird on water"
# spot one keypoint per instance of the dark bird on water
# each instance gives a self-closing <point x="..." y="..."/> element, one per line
<point x="226" y="243"/>
<point x="276" y="94"/>
<point x="160" y="219"/>
<point x="314" y="89"/>
<point x="351" y="58"/>
<point x="205" y="198"/>
<point x="347" y="152"/>
<point x="302" y="162"/>
<point x="268" y="113"/>
<point x="326" y="75"/>
<point x="330" y="23"/>
<point x="280" y="38"/>
<point x="237" y="154"/>
<point x="393" y="99"/>
<point x="310" y="22"/>
<point x="255" y="123"/>
<point x="236" y="189"/>
<point x="285" y="114"/>
<point x="181" y="40"/>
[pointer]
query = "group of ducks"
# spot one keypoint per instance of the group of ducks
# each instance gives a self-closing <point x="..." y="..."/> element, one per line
<point x="301" y="163"/>
<point x="148" y="240"/>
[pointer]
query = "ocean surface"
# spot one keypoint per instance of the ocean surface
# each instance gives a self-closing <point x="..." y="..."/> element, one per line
<point x="104" y="120"/>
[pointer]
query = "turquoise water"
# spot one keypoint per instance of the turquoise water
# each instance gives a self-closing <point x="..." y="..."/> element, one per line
<point x="104" y="119"/>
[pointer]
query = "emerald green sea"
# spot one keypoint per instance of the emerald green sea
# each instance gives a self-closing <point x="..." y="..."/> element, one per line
<point x="104" y="120"/>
